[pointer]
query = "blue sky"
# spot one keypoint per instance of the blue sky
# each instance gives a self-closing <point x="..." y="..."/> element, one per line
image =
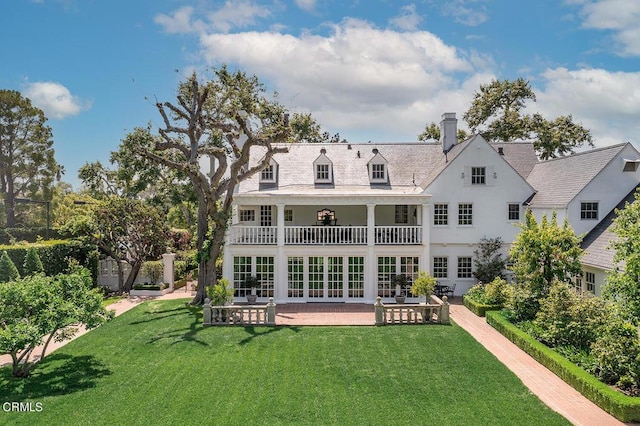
<point x="374" y="70"/>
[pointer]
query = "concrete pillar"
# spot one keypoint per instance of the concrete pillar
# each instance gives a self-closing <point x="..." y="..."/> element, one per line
<point x="271" y="312"/>
<point x="379" y="311"/>
<point x="426" y="238"/>
<point x="206" y="314"/>
<point x="168" y="268"/>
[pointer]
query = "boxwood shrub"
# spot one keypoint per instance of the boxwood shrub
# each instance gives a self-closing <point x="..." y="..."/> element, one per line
<point x="623" y="407"/>
<point x="478" y="308"/>
<point x="55" y="255"/>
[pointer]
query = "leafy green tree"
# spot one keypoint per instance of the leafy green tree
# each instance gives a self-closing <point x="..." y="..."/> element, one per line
<point x="545" y="252"/>
<point x="27" y="164"/>
<point x="488" y="259"/>
<point x="496" y="112"/>
<point x="32" y="263"/>
<point x="432" y="132"/>
<point x="39" y="309"/>
<point x="130" y="231"/>
<point x="224" y="118"/>
<point x="623" y="283"/>
<point x="8" y="269"/>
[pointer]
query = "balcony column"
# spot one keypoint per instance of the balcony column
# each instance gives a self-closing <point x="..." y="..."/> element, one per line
<point x="280" y="262"/>
<point x="370" y="266"/>
<point x="426" y="236"/>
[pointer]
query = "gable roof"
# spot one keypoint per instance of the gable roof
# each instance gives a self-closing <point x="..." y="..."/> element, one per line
<point x="558" y="181"/>
<point x="597" y="241"/>
<point x="521" y="155"/>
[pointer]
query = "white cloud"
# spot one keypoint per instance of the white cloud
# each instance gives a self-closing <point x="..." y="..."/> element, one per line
<point x="408" y="19"/>
<point x="466" y="12"/>
<point x="358" y="78"/>
<point x="619" y="16"/>
<point x="231" y="15"/>
<point x="54" y="99"/>
<point x="308" y="5"/>
<point x="606" y="102"/>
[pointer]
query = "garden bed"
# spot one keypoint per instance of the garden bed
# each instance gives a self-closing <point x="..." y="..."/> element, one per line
<point x="478" y="308"/>
<point x="150" y="290"/>
<point x="623" y="407"/>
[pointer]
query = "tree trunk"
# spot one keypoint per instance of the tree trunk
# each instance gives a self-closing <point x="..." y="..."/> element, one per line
<point x="204" y="270"/>
<point x="135" y="268"/>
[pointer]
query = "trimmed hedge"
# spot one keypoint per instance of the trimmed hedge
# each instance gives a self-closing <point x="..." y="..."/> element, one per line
<point x="54" y="255"/>
<point x="30" y="235"/>
<point x="478" y="308"/>
<point x="625" y="408"/>
<point x="149" y="287"/>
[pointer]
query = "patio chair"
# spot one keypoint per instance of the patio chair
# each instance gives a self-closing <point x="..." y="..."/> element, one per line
<point x="449" y="290"/>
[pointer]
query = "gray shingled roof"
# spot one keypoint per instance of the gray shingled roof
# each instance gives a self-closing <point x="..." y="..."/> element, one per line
<point x="521" y="155"/>
<point x="411" y="166"/>
<point x="597" y="241"/>
<point x="559" y="180"/>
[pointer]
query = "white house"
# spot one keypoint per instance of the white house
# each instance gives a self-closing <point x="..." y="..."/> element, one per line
<point x="335" y="222"/>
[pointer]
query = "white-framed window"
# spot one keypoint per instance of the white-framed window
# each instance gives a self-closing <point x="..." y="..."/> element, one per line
<point x="402" y="213"/>
<point x="440" y="267"/>
<point x="514" y="211"/>
<point x="590" y="281"/>
<point x="248" y="215"/>
<point x="464" y="267"/>
<point x="465" y="214"/>
<point x="265" y="270"/>
<point x="288" y="215"/>
<point x="478" y="175"/>
<point x="242" y="267"/>
<point x="356" y="276"/>
<point x="577" y="284"/>
<point x="441" y="214"/>
<point x="378" y="172"/>
<point x="266" y="218"/>
<point x="630" y="165"/>
<point x="589" y="210"/>
<point x="295" y="276"/>
<point x="322" y="172"/>
<point x="268" y="174"/>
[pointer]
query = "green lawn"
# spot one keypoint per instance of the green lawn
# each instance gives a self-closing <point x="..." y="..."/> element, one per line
<point x="157" y="365"/>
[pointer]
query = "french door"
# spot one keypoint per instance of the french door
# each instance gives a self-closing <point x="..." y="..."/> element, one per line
<point x="326" y="278"/>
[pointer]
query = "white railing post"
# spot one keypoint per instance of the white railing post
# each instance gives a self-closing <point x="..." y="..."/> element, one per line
<point x="380" y="315"/>
<point x="168" y="268"/>
<point x="443" y="317"/>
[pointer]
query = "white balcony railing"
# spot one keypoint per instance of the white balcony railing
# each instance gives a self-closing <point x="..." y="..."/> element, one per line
<point x="325" y="235"/>
<point x="260" y="235"/>
<point x="398" y="235"/>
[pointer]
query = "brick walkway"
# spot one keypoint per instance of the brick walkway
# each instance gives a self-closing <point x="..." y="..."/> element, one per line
<point x="555" y="393"/>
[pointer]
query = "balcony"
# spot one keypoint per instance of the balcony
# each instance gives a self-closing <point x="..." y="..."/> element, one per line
<point x="325" y="235"/>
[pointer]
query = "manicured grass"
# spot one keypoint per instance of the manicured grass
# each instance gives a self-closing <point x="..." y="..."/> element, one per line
<point x="111" y="300"/>
<point x="157" y="365"/>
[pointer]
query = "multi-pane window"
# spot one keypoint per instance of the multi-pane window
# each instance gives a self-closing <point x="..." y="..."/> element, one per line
<point x="335" y="276"/>
<point x="514" y="211"/>
<point x="265" y="216"/>
<point x="589" y="210"/>
<point x="402" y="214"/>
<point x="478" y="175"/>
<point x="590" y="280"/>
<point x="265" y="271"/>
<point x="378" y="172"/>
<point x="247" y="215"/>
<point x="241" y="271"/>
<point x="465" y="214"/>
<point x="409" y="267"/>
<point x="386" y="272"/>
<point x="440" y="214"/>
<point x="322" y="172"/>
<point x="288" y="215"/>
<point x="295" y="278"/>
<point x="356" y="276"/>
<point x="578" y="283"/>
<point x="316" y="276"/>
<point x="267" y="174"/>
<point x="464" y="267"/>
<point x="440" y="267"/>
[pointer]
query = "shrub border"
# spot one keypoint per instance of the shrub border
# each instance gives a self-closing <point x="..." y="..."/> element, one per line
<point x="478" y="308"/>
<point x="625" y="408"/>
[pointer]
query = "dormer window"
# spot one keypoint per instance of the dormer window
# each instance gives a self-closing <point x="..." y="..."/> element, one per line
<point x="268" y="174"/>
<point x="322" y="167"/>
<point x="630" y="165"/>
<point x="378" y="168"/>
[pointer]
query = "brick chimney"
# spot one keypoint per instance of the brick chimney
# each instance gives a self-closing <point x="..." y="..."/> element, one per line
<point x="448" y="131"/>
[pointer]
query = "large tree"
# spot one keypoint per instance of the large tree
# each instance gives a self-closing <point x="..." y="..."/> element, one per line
<point x="496" y="112"/>
<point x="224" y="119"/>
<point x="545" y="252"/>
<point x="27" y="164"/>
<point x="127" y="230"/>
<point x="623" y="283"/>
